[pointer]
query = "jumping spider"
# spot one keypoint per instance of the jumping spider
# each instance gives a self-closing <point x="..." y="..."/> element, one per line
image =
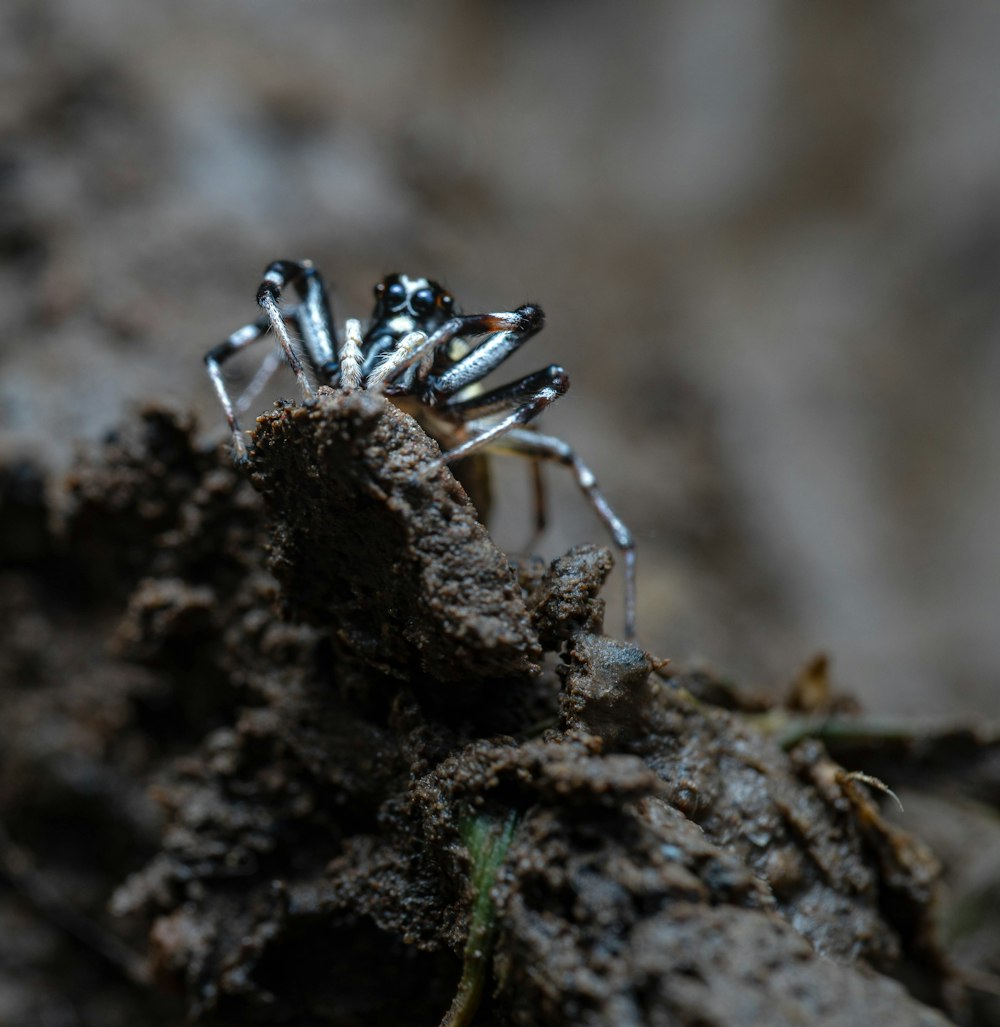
<point x="419" y="351"/>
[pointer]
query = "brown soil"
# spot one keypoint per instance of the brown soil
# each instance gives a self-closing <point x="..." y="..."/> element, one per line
<point x="252" y="725"/>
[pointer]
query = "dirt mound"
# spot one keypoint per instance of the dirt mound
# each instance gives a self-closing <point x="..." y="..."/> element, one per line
<point x="319" y="736"/>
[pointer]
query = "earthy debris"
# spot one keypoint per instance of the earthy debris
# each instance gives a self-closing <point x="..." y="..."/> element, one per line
<point x="566" y="600"/>
<point x="275" y="725"/>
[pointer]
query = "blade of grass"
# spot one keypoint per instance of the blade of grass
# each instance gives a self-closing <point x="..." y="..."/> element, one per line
<point x="488" y="841"/>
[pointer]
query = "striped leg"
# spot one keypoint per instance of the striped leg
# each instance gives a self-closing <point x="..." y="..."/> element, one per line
<point x="516" y="404"/>
<point x="315" y="319"/>
<point x="505" y="334"/>
<point x="547" y="447"/>
<point x="261" y="377"/>
<point x="214" y="359"/>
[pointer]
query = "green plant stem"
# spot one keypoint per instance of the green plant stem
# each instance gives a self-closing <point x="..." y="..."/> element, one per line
<point x="488" y="841"/>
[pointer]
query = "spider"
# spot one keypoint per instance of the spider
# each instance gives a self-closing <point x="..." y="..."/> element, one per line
<point x="422" y="354"/>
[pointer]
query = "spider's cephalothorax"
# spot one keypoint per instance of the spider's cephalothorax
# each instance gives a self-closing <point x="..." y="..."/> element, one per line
<point x="428" y="359"/>
<point x="404" y="305"/>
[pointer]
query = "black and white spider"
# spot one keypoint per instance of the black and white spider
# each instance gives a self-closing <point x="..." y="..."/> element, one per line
<point x="421" y="353"/>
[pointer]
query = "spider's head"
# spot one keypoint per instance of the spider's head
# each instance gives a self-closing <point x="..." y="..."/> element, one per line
<point x="404" y="304"/>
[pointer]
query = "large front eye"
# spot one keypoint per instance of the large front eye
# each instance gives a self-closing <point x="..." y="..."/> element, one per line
<point x="422" y="301"/>
<point x="395" y="294"/>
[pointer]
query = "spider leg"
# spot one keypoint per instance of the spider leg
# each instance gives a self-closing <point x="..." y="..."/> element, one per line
<point x="261" y="377"/>
<point x="316" y="321"/>
<point x="315" y="317"/>
<point x="214" y="359"/>
<point x="539" y="502"/>
<point x="547" y="447"/>
<point x="516" y="404"/>
<point x="239" y="340"/>
<point x="269" y="364"/>
<point x="505" y="333"/>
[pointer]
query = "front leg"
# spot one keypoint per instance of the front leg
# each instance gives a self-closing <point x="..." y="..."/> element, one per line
<point x="505" y="334"/>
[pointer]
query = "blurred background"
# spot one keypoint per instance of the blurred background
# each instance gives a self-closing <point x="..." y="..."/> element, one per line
<point x="766" y="235"/>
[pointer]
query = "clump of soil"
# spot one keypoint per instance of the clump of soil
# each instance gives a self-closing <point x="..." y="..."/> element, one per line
<point x="271" y="743"/>
<point x="438" y="599"/>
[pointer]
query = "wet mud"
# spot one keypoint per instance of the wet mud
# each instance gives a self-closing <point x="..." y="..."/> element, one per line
<point x="277" y="741"/>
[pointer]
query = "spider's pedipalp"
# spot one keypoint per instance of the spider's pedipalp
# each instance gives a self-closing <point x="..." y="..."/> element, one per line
<point x="351" y="357"/>
<point x="410" y="349"/>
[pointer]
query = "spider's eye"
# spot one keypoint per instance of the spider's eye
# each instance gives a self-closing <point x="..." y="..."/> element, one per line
<point x="422" y="301"/>
<point x="445" y="301"/>
<point x="379" y="289"/>
<point x="395" y="294"/>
